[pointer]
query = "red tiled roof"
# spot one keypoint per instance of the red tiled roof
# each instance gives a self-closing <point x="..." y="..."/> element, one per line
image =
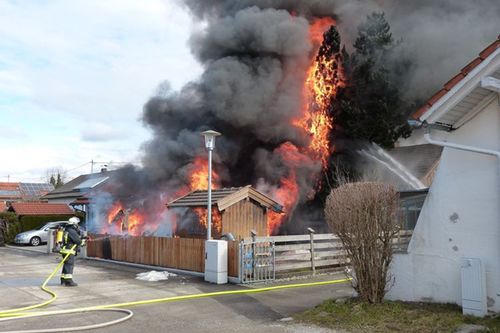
<point x="41" y="208"/>
<point x="457" y="78"/>
<point x="9" y="186"/>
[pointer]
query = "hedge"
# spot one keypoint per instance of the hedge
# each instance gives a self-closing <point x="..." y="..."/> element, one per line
<point x="13" y="227"/>
<point x="30" y="222"/>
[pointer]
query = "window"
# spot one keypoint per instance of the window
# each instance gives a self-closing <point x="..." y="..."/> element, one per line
<point x="410" y="207"/>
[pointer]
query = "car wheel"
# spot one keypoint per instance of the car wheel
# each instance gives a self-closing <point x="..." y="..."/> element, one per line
<point x="35" y="241"/>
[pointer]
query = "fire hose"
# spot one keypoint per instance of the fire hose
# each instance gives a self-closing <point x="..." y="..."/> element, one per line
<point x="22" y="313"/>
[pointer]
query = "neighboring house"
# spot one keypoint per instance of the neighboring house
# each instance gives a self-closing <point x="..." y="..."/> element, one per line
<point x="11" y="192"/>
<point x="237" y="210"/>
<point x="77" y="191"/>
<point x="461" y="214"/>
<point x="32" y="214"/>
<point x="410" y="169"/>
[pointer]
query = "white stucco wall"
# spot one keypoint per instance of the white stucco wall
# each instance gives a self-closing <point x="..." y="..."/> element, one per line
<point x="62" y="200"/>
<point x="460" y="218"/>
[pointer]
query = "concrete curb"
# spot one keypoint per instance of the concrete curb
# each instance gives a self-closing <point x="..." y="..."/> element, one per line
<point x="149" y="267"/>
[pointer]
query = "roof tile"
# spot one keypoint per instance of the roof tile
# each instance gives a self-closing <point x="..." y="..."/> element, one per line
<point x="490" y="49"/>
<point x="457" y="78"/>
<point x="436" y="96"/>
<point x="471" y="65"/>
<point x="420" y="111"/>
<point x="41" y="208"/>
<point x="9" y="186"/>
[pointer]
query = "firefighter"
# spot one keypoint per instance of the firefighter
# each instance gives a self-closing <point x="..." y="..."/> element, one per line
<point x="71" y="237"/>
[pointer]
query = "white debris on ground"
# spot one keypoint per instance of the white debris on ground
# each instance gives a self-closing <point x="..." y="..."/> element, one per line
<point x="154" y="276"/>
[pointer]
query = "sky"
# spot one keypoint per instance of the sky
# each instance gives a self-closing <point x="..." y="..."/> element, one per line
<point x="74" y="76"/>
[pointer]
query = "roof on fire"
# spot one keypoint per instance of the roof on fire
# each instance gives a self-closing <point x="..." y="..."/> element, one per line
<point x="79" y="186"/>
<point x="40" y="208"/>
<point x="224" y="198"/>
<point x="468" y="82"/>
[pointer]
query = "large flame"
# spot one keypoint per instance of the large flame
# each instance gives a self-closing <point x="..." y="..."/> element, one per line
<point x="199" y="181"/>
<point x="124" y="221"/>
<point x="321" y="84"/>
<point x="319" y="88"/>
<point x="199" y="175"/>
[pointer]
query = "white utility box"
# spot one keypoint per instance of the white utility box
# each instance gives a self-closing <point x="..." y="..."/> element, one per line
<point x="473" y="287"/>
<point x="216" y="261"/>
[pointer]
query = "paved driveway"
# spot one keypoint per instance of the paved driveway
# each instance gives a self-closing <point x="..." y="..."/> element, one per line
<point x="21" y="272"/>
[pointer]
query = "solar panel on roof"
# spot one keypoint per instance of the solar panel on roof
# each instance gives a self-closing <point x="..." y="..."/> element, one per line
<point x="35" y="189"/>
<point x="90" y="183"/>
<point x="10" y="193"/>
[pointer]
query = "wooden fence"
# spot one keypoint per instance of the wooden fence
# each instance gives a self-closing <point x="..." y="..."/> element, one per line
<point x="306" y="252"/>
<point x="292" y="253"/>
<point x="316" y="251"/>
<point x="179" y="253"/>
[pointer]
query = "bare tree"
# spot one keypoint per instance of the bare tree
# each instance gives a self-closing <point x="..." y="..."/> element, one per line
<point x="364" y="216"/>
<point x="56" y="177"/>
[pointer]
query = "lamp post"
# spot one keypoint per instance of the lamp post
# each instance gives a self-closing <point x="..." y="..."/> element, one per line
<point x="210" y="144"/>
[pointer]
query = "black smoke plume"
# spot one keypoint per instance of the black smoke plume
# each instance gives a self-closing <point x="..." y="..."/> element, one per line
<point x="255" y="55"/>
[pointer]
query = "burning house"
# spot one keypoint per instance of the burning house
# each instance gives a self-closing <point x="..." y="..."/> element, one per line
<point x="271" y="71"/>
<point x="236" y="211"/>
<point x="267" y="84"/>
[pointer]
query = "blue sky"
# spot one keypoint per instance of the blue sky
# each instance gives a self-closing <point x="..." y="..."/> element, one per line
<point x="74" y="76"/>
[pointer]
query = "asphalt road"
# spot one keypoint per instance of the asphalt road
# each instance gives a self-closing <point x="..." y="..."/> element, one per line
<point x="23" y="270"/>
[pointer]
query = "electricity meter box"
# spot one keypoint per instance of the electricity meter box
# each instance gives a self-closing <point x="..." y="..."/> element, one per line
<point x="216" y="261"/>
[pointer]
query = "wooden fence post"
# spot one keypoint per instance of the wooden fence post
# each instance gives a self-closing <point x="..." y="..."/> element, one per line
<point x="311" y="241"/>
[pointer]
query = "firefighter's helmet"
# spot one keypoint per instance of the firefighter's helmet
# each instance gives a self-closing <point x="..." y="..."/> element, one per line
<point x="74" y="220"/>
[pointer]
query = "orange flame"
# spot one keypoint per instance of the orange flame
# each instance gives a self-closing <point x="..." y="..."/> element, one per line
<point x="216" y="219"/>
<point x="288" y="191"/>
<point x="199" y="172"/>
<point x="114" y="211"/>
<point x="199" y="181"/>
<point x="318" y="27"/>
<point x="320" y="86"/>
<point x="287" y="194"/>
<point x="319" y="89"/>
<point x="122" y="221"/>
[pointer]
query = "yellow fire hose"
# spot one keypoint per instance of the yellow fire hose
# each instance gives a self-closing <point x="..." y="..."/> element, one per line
<point x="21" y="313"/>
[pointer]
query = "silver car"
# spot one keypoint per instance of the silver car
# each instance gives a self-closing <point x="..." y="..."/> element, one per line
<point x="38" y="236"/>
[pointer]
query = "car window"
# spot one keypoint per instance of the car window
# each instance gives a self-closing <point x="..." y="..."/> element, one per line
<point x="55" y="225"/>
<point x="52" y="225"/>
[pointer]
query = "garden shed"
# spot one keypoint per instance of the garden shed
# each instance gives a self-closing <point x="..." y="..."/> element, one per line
<point x="34" y="214"/>
<point x="240" y="209"/>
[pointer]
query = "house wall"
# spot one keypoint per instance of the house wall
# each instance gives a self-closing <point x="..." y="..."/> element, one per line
<point x="66" y="201"/>
<point x="460" y="218"/>
<point x="240" y="218"/>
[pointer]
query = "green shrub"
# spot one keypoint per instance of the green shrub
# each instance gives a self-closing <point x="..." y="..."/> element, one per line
<point x="13" y="227"/>
<point x="34" y="221"/>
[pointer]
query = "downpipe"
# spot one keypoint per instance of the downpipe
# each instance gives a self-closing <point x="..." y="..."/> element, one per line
<point x="491" y="152"/>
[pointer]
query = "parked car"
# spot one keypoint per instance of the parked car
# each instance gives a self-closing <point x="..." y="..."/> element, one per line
<point x="38" y="236"/>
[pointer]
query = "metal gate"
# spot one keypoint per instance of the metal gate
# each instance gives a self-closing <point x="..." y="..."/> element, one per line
<point x="257" y="261"/>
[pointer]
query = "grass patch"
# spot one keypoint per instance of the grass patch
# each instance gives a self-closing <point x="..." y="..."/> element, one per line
<point x="357" y="316"/>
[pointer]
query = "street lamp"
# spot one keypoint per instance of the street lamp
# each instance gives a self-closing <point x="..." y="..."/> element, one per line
<point x="210" y="144"/>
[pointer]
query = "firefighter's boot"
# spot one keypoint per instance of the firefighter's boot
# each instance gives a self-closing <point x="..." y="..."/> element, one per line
<point x="70" y="283"/>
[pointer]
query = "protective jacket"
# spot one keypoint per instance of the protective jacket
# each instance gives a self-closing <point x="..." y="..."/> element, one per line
<point x="71" y="237"/>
